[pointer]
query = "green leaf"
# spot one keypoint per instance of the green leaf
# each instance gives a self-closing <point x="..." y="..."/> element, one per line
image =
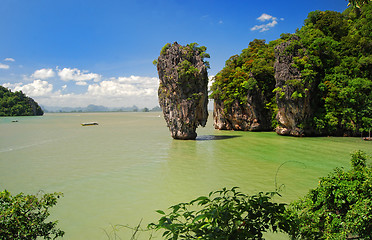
<point x="160" y="212"/>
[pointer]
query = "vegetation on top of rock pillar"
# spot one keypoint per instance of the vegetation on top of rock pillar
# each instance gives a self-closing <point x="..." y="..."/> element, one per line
<point x="183" y="88"/>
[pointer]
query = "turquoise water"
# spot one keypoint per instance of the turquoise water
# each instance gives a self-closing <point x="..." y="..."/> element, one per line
<point x="128" y="166"/>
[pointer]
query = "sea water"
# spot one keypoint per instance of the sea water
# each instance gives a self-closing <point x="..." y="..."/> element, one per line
<point x="122" y="170"/>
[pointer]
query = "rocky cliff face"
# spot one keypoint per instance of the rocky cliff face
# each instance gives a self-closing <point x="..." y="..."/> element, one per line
<point x="183" y="94"/>
<point x="36" y="109"/>
<point x="293" y="94"/>
<point x="250" y="116"/>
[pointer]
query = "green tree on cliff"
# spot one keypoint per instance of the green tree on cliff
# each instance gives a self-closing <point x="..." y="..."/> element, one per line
<point x="253" y="68"/>
<point x="17" y="104"/>
<point x="338" y="51"/>
<point x="336" y="61"/>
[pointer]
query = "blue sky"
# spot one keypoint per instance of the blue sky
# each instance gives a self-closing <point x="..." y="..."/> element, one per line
<point x="75" y="53"/>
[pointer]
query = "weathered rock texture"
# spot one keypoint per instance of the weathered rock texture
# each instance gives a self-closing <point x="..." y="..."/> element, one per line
<point x="250" y="116"/>
<point x="36" y="109"/>
<point x="183" y="94"/>
<point x="293" y="95"/>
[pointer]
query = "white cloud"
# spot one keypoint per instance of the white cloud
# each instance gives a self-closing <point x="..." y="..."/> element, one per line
<point x="77" y="75"/>
<point x="37" y="88"/>
<point x="265" y="17"/>
<point x="125" y="86"/>
<point x="265" y="27"/>
<point x="4" y="66"/>
<point x="81" y="83"/>
<point x="114" y="92"/>
<point x="43" y="73"/>
<point x="9" y="59"/>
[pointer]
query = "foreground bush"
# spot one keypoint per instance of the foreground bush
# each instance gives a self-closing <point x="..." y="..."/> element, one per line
<point x="225" y="214"/>
<point x="340" y="207"/>
<point x="23" y="216"/>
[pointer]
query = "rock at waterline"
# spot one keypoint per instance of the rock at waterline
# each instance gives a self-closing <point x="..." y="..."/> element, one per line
<point x="292" y="111"/>
<point x="183" y="88"/>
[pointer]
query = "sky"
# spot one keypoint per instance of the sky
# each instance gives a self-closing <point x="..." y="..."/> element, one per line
<point x="72" y="53"/>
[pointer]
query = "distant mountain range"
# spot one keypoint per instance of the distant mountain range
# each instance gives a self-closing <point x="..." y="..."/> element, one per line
<point x="98" y="108"/>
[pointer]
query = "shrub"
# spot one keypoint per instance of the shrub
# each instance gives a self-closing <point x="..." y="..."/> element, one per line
<point x="23" y="216"/>
<point x="340" y="207"/>
<point x="225" y="214"/>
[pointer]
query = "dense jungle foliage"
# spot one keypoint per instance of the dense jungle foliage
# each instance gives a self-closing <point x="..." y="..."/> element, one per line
<point x="336" y="60"/>
<point x="340" y="207"/>
<point x="17" y="104"/>
<point x="252" y="70"/>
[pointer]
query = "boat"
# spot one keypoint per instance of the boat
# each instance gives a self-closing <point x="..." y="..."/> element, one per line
<point x="89" y="124"/>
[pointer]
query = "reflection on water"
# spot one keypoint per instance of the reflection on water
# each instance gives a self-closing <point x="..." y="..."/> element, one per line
<point x="128" y="166"/>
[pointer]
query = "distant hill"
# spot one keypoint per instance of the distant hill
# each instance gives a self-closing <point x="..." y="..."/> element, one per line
<point x="99" y="108"/>
<point x="17" y="104"/>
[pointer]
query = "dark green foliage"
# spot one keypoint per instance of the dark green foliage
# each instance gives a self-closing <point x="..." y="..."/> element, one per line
<point x="252" y="70"/>
<point x="340" y="207"/>
<point x="358" y="3"/>
<point x="335" y="65"/>
<point x="23" y="216"/>
<point x="338" y="52"/>
<point x="17" y="104"/>
<point x="225" y="214"/>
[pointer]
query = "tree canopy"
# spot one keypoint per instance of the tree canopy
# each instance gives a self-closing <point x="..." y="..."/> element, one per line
<point x="17" y="104"/>
<point x="336" y="60"/>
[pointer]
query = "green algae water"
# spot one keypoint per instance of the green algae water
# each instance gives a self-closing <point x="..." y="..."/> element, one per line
<point x="128" y="166"/>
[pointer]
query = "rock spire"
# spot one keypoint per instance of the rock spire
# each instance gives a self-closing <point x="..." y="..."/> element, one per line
<point x="183" y="93"/>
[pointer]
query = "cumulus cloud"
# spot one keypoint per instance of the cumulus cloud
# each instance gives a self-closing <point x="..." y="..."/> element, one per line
<point x="112" y="92"/>
<point x="9" y="59"/>
<point x="125" y="86"/>
<point x="265" y="27"/>
<point x="81" y="83"/>
<point x="4" y="66"/>
<point x="35" y="89"/>
<point x="43" y="73"/>
<point x="265" y="17"/>
<point x="74" y="74"/>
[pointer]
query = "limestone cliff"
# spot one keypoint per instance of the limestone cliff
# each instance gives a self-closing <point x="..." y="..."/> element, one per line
<point x="293" y="93"/>
<point x="243" y="90"/>
<point x="183" y="94"/>
<point x="36" y="109"/>
<point x="249" y="116"/>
